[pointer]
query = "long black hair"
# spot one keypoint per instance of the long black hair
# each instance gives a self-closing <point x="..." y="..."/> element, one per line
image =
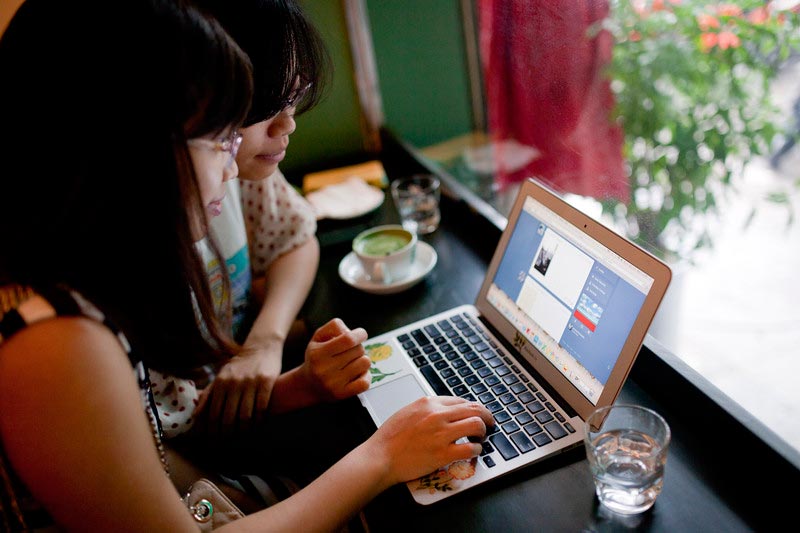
<point x="98" y="189"/>
<point x="291" y="65"/>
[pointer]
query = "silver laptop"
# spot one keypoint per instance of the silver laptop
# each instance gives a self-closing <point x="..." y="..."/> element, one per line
<point x="553" y="333"/>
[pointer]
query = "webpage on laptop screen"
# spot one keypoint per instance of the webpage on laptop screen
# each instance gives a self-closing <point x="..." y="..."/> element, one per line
<point x="572" y="298"/>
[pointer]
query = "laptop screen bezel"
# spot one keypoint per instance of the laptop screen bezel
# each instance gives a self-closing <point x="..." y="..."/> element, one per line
<point x="614" y="242"/>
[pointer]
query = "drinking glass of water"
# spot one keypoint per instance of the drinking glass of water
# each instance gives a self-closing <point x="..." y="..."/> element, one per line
<point x="627" y="449"/>
<point x="417" y="200"/>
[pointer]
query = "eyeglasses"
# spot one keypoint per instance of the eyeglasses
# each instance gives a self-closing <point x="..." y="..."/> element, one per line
<point x="230" y="145"/>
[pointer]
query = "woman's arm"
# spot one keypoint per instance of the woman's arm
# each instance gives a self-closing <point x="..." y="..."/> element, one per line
<point x="243" y="387"/>
<point x="75" y="431"/>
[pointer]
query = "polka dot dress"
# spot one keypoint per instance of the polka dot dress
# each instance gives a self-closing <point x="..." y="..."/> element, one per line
<point x="278" y="219"/>
<point x="175" y="400"/>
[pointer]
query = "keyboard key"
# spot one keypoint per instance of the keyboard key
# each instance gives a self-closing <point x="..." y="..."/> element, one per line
<point x="541" y="397"/>
<point x="491" y="381"/>
<point x="454" y="381"/>
<point x="488" y="355"/>
<point x="488" y="461"/>
<point x="499" y="389"/>
<point x="493" y="407"/>
<point x="532" y="387"/>
<point x="515" y="408"/>
<point x="502" y="370"/>
<point x="535" y="407"/>
<point x="494" y="363"/>
<point x="430" y="348"/>
<point x="518" y="388"/>
<point x="464" y="348"/>
<point x="452" y="333"/>
<point x="510" y="427"/>
<point x="478" y="364"/>
<point x="460" y="390"/>
<point x="487" y="447"/>
<point x="444" y="348"/>
<point x="569" y="427"/>
<point x="451" y="355"/>
<point x="483" y="347"/>
<point x="486" y="397"/>
<point x="510" y="379"/>
<point x="484" y="371"/>
<point x="502" y="417"/>
<point x="439" y="340"/>
<point x="403" y="338"/>
<point x="523" y="442"/>
<point x="447" y="373"/>
<point x="434" y="380"/>
<point x="413" y="351"/>
<point x="506" y="449"/>
<point x="464" y="371"/>
<point x="470" y="356"/>
<point x="542" y="438"/>
<point x="420" y="337"/>
<point x="525" y="397"/>
<point x="544" y="417"/>
<point x="420" y="360"/>
<point x="458" y="363"/>
<point x="444" y="324"/>
<point x="555" y="429"/>
<point x="431" y="330"/>
<point x="408" y="345"/>
<point x="560" y="417"/>
<point x="440" y="364"/>
<point x="479" y="388"/>
<point x="469" y="397"/>
<point x="533" y="428"/>
<point x="550" y="407"/>
<point x="471" y="380"/>
<point x="524" y="418"/>
<point x="507" y="398"/>
<point x="434" y="357"/>
<point x="472" y="339"/>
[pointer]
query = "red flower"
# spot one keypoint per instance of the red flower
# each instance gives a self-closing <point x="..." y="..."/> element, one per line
<point x="759" y="15"/>
<point x="728" y="40"/>
<point x="706" y="22"/>
<point x="708" y="41"/>
<point x="729" y="10"/>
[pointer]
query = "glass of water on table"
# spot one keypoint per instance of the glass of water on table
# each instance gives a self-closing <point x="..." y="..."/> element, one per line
<point x="627" y="450"/>
<point x="417" y="200"/>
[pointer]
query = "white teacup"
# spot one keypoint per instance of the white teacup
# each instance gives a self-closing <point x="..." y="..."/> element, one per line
<point x="386" y="252"/>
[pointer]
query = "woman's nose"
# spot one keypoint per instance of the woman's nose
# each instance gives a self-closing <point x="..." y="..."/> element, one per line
<point x="282" y="124"/>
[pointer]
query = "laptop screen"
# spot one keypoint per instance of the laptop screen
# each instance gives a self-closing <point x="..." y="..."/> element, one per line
<point x="572" y="298"/>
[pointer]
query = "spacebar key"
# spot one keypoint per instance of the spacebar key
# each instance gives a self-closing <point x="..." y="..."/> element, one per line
<point x="435" y="381"/>
<point x="503" y="445"/>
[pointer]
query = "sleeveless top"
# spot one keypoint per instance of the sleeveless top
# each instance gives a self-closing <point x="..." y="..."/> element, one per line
<point x="20" y="307"/>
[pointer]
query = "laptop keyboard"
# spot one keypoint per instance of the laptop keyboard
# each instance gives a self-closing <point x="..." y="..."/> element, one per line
<point x="458" y="358"/>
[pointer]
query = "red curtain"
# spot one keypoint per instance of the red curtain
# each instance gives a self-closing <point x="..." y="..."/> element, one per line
<point x="543" y="66"/>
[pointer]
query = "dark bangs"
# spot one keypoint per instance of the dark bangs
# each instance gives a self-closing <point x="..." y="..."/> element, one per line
<point x="291" y="65"/>
<point x="219" y="106"/>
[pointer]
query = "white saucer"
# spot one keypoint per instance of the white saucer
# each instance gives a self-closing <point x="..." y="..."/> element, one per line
<point x="351" y="272"/>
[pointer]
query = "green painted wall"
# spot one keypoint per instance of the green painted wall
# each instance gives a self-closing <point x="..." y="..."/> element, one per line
<point x="422" y="68"/>
<point x="422" y="71"/>
<point x="332" y="130"/>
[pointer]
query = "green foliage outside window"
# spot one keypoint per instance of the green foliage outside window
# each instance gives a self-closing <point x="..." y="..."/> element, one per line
<point x="692" y="86"/>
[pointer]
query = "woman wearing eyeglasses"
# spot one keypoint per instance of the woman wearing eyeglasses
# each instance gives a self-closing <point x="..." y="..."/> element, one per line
<point x="100" y="281"/>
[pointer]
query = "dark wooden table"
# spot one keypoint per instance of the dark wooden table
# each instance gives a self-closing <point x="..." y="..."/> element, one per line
<point x="719" y="476"/>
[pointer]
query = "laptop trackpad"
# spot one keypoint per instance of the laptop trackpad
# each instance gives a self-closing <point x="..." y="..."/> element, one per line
<point x="386" y="400"/>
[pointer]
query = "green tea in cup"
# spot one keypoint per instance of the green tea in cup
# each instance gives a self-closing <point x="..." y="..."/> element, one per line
<point x="386" y="253"/>
<point x="383" y="242"/>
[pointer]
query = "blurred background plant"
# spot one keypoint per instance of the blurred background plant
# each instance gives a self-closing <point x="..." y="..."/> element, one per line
<point x="691" y="81"/>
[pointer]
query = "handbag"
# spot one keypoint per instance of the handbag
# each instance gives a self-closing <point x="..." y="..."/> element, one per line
<point x="209" y="506"/>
